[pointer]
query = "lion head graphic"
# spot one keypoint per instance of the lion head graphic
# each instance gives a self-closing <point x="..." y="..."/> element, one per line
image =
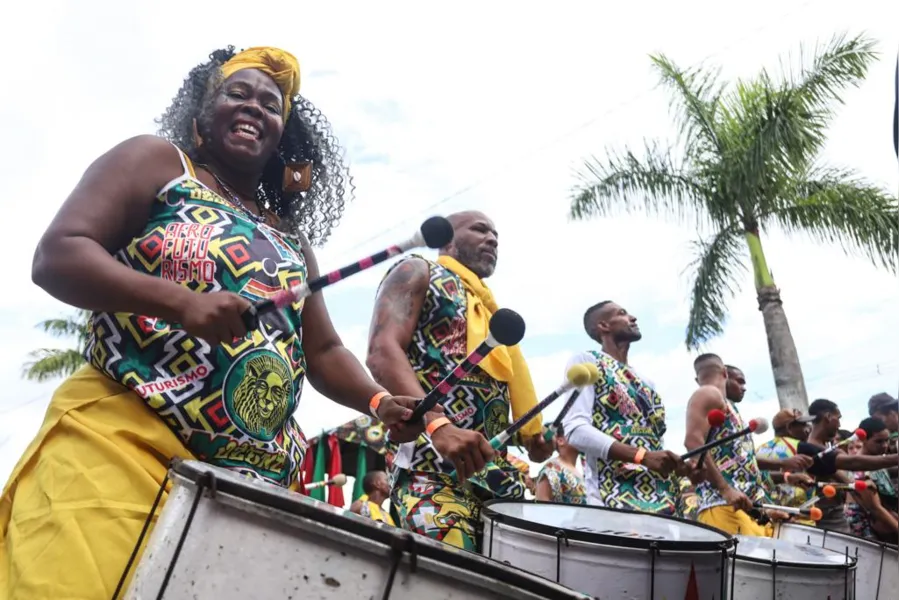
<point x="262" y="398"/>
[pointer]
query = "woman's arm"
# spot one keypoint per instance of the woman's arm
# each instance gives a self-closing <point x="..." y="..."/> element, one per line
<point x="544" y="490"/>
<point x="106" y="210"/>
<point x="330" y="367"/>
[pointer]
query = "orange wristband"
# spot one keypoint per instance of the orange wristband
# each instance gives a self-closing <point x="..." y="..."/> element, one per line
<point x="436" y="424"/>
<point x="375" y="402"/>
<point x="638" y="459"/>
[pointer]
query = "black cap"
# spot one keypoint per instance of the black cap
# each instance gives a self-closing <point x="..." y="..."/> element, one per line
<point x="882" y="402"/>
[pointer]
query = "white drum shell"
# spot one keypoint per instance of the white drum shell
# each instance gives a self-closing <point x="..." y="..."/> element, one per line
<point x="877" y="576"/>
<point x="762" y="580"/>
<point x="238" y="549"/>
<point x="607" y="570"/>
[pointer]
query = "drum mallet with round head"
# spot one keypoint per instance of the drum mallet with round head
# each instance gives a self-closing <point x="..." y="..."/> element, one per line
<point x="338" y="480"/>
<point x="506" y="329"/>
<point x="829" y="490"/>
<point x="435" y="232"/>
<point x="551" y="431"/>
<point x="814" y="513"/>
<point x="859" y="435"/>
<point x="716" y="419"/>
<point x="578" y="376"/>
<point x="757" y="426"/>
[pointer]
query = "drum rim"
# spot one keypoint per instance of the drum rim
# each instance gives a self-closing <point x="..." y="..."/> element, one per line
<point x="829" y="533"/>
<point x="851" y="565"/>
<point x="609" y="540"/>
<point x="393" y="537"/>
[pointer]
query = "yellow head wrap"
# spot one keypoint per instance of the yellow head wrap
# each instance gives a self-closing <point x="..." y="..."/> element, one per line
<point x="281" y="66"/>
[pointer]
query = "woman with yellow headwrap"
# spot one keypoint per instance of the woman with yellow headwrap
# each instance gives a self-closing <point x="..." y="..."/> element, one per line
<point x="167" y="240"/>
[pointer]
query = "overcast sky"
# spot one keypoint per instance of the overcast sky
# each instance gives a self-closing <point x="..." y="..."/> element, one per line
<point x="487" y="105"/>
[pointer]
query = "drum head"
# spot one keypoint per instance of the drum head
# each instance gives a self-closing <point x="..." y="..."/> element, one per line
<point x="769" y="550"/>
<point x="607" y="525"/>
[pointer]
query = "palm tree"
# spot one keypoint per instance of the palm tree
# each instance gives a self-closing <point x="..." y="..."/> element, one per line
<point x="49" y="363"/>
<point x="747" y="162"/>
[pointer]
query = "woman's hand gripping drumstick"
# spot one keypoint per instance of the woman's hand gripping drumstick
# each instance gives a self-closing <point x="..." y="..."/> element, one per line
<point x="578" y="376"/>
<point x="435" y="232"/>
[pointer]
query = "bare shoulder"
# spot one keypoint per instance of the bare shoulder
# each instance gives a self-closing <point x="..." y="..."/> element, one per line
<point x="706" y="397"/>
<point x="409" y="275"/>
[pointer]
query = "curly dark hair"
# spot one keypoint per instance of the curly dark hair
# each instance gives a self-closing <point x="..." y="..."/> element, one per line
<point x="307" y="137"/>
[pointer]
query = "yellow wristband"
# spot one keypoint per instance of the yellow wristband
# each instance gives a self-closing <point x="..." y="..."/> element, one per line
<point x="436" y="424"/>
<point x="638" y="459"/>
<point x="375" y="402"/>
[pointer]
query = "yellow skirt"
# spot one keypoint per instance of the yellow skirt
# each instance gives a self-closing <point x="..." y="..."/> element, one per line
<point x="734" y="522"/>
<point x="75" y="503"/>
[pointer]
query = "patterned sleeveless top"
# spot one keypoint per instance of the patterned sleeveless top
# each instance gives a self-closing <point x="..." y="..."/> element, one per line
<point x="480" y="403"/>
<point x="230" y="405"/>
<point x="566" y="484"/>
<point x="627" y="408"/>
<point x="736" y="461"/>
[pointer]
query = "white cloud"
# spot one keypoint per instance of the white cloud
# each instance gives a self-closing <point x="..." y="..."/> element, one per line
<point x="490" y="112"/>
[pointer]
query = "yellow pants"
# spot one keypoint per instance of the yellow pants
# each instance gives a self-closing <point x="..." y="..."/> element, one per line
<point x="75" y="503"/>
<point x="734" y="522"/>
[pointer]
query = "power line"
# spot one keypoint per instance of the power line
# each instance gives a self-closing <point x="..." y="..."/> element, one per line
<point x="552" y="142"/>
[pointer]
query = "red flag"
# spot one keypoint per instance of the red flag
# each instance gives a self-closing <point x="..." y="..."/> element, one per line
<point x="692" y="586"/>
<point x="335" y="467"/>
<point x="308" y="469"/>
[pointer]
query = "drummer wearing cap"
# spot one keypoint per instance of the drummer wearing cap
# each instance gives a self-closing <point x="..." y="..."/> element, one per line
<point x="788" y="488"/>
<point x="825" y="427"/>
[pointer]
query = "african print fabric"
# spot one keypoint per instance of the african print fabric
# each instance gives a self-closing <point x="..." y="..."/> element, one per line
<point x="627" y="408"/>
<point x="687" y="500"/>
<point x="782" y="494"/>
<point x="736" y="461"/>
<point x="435" y="505"/>
<point x="232" y="404"/>
<point x="480" y="403"/>
<point x="566" y="484"/>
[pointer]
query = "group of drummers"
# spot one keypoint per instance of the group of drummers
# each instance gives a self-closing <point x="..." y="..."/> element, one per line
<point x="168" y="240"/>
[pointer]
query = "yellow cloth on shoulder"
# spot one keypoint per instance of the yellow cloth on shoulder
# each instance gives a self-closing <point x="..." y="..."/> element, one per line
<point x="75" y="503"/>
<point x="503" y="363"/>
<point x="375" y="511"/>
<point x="280" y="65"/>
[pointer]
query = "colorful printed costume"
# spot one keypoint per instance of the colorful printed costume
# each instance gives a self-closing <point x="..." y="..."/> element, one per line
<point x="624" y="406"/>
<point x="74" y="505"/>
<point x="427" y="500"/>
<point x="738" y="466"/>
<point x="783" y="494"/>
<point x="567" y="485"/>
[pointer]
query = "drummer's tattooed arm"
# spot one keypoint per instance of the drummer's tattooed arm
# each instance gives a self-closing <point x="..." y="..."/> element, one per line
<point x="397" y="310"/>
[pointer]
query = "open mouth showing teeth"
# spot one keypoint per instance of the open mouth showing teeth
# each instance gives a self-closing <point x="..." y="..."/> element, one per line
<point x="246" y="131"/>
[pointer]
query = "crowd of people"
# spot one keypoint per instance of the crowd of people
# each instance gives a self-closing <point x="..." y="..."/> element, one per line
<point x="169" y="239"/>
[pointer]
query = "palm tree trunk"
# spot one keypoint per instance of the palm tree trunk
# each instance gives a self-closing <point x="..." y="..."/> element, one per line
<point x="788" y="378"/>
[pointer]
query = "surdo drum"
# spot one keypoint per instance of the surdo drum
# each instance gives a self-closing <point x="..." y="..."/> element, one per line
<point x="223" y="536"/>
<point x="766" y="568"/>
<point x="877" y="575"/>
<point x="609" y="553"/>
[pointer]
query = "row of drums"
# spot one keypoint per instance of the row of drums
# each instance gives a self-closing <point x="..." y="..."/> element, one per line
<point x="222" y="536"/>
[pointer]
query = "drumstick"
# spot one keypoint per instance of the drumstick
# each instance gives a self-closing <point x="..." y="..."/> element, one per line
<point x="506" y="329"/>
<point x="830" y="490"/>
<point x="550" y="432"/>
<point x="756" y="426"/>
<point x="578" y="376"/>
<point x="716" y="419"/>
<point x="435" y="232"/>
<point x="860" y="435"/>
<point x="339" y="480"/>
<point x="814" y="513"/>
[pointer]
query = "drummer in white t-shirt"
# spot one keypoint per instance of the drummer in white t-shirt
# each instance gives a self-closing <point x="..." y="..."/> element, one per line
<point x="618" y="423"/>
